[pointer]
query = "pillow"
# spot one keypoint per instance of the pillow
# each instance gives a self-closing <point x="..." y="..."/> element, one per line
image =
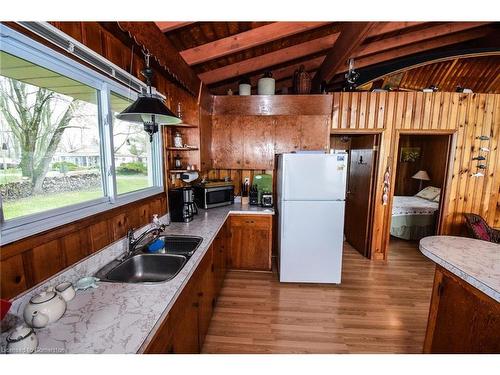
<point x="429" y="193"/>
<point x="437" y="198"/>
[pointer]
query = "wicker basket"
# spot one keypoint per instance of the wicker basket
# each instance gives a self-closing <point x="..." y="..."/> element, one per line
<point x="301" y="81"/>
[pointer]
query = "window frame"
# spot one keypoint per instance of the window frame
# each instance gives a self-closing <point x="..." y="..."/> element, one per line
<point x="21" y="46"/>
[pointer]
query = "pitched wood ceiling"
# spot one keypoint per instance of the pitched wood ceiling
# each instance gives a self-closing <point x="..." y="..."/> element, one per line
<point x="221" y="53"/>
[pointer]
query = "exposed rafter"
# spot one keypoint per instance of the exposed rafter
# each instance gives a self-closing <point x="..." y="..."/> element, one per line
<point x="352" y="35"/>
<point x="245" y="40"/>
<point x="387" y="27"/>
<point x="415" y="36"/>
<point x="268" y="59"/>
<point x="165" y="27"/>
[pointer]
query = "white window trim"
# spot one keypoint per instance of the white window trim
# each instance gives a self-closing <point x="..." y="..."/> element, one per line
<point x="26" y="48"/>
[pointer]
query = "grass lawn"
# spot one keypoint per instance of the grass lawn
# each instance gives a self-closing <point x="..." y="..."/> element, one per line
<point x="40" y="203"/>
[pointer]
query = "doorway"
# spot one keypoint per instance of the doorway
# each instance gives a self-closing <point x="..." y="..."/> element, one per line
<point x="420" y="181"/>
<point x="362" y="167"/>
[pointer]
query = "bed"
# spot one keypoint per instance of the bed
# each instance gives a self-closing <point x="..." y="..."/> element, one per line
<point x="413" y="217"/>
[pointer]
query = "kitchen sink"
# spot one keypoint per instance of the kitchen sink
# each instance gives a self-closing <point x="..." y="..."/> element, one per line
<point x="181" y="245"/>
<point x="144" y="268"/>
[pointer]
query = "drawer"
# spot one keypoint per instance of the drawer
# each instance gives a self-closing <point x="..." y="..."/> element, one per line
<point x="254" y="221"/>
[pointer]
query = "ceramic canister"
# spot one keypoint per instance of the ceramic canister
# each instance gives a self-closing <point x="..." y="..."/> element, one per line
<point x="244" y="89"/>
<point x="266" y="85"/>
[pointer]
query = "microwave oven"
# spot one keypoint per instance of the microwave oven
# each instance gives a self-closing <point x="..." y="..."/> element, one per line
<point x="213" y="196"/>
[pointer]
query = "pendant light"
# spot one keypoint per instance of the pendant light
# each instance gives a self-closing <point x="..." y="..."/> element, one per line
<point x="149" y="109"/>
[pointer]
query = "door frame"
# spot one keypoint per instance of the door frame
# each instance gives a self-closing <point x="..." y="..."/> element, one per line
<point x="378" y="134"/>
<point x="445" y="190"/>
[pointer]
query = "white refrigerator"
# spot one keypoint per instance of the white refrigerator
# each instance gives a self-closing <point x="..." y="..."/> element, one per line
<point x="310" y="206"/>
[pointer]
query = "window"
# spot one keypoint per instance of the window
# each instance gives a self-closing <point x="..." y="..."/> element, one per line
<point x="60" y="159"/>
<point x="132" y="151"/>
<point x="49" y="128"/>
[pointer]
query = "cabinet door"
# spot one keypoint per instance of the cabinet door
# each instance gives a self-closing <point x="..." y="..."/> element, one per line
<point x="206" y="294"/>
<point x="315" y="133"/>
<point x="227" y="142"/>
<point x="250" y="247"/>
<point x="258" y="142"/>
<point x="184" y="318"/>
<point x="220" y="258"/>
<point x="287" y="134"/>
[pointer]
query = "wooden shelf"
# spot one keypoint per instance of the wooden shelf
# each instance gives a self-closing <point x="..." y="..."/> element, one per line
<point x="181" y="170"/>
<point x="182" y="148"/>
<point x="182" y="126"/>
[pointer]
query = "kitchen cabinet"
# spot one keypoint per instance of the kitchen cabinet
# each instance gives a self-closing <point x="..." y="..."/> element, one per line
<point x="243" y="242"/>
<point x="220" y="257"/>
<point x="462" y="319"/>
<point x="258" y="142"/>
<point x="250" y="242"/>
<point x="227" y="142"/>
<point x="206" y="295"/>
<point x="184" y="329"/>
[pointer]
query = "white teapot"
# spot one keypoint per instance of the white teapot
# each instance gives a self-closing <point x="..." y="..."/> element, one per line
<point x="44" y="308"/>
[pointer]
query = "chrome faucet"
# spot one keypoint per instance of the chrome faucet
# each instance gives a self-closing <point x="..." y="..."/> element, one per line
<point x="132" y="241"/>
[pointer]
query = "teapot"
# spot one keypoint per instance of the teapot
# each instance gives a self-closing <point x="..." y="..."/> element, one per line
<point x="22" y="340"/>
<point x="44" y="308"/>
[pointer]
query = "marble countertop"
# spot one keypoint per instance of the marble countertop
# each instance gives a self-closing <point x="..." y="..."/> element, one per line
<point x="477" y="262"/>
<point x="115" y="317"/>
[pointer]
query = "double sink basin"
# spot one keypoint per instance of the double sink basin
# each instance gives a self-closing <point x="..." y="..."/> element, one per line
<point x="152" y="268"/>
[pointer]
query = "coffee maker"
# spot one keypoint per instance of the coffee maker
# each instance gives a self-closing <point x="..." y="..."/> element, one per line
<point x="182" y="207"/>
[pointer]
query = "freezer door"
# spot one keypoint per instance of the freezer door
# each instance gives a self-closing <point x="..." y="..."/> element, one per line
<point x="311" y="241"/>
<point x="314" y="177"/>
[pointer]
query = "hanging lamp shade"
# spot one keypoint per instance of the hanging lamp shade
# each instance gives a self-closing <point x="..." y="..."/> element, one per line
<point x="143" y="110"/>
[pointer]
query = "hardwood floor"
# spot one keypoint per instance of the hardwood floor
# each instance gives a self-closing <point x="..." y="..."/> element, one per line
<point x="380" y="307"/>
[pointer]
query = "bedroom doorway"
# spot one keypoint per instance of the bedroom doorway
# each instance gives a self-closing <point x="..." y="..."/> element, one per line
<point x="420" y="182"/>
<point x="361" y="174"/>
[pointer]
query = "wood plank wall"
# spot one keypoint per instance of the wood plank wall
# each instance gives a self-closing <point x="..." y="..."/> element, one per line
<point x="26" y="262"/>
<point x="465" y="116"/>
<point x="29" y="261"/>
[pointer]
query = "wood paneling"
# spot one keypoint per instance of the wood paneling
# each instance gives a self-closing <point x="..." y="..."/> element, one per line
<point x="433" y="159"/>
<point x="447" y="75"/>
<point x="76" y="246"/>
<point x="45" y="260"/>
<point x="26" y="262"/>
<point x="379" y="308"/>
<point x="462" y="319"/>
<point x="466" y="116"/>
<point x="13" y="279"/>
<point x="286" y="105"/>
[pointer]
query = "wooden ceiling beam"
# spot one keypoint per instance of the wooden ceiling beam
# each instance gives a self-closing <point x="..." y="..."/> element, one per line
<point x="165" y="27"/>
<point x="433" y="44"/>
<point x="387" y="27"/>
<point x="268" y="59"/>
<point x="352" y="35"/>
<point x="418" y="47"/>
<point x="150" y="38"/>
<point x="248" y="39"/>
<point x="415" y="36"/>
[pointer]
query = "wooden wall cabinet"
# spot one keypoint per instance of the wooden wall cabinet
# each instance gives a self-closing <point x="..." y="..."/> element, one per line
<point x="250" y="242"/>
<point x="462" y="319"/>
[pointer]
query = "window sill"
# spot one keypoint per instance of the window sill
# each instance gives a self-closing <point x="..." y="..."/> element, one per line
<point x="17" y="232"/>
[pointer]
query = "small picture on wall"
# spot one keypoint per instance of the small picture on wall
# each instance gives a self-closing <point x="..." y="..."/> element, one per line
<point x="410" y="154"/>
